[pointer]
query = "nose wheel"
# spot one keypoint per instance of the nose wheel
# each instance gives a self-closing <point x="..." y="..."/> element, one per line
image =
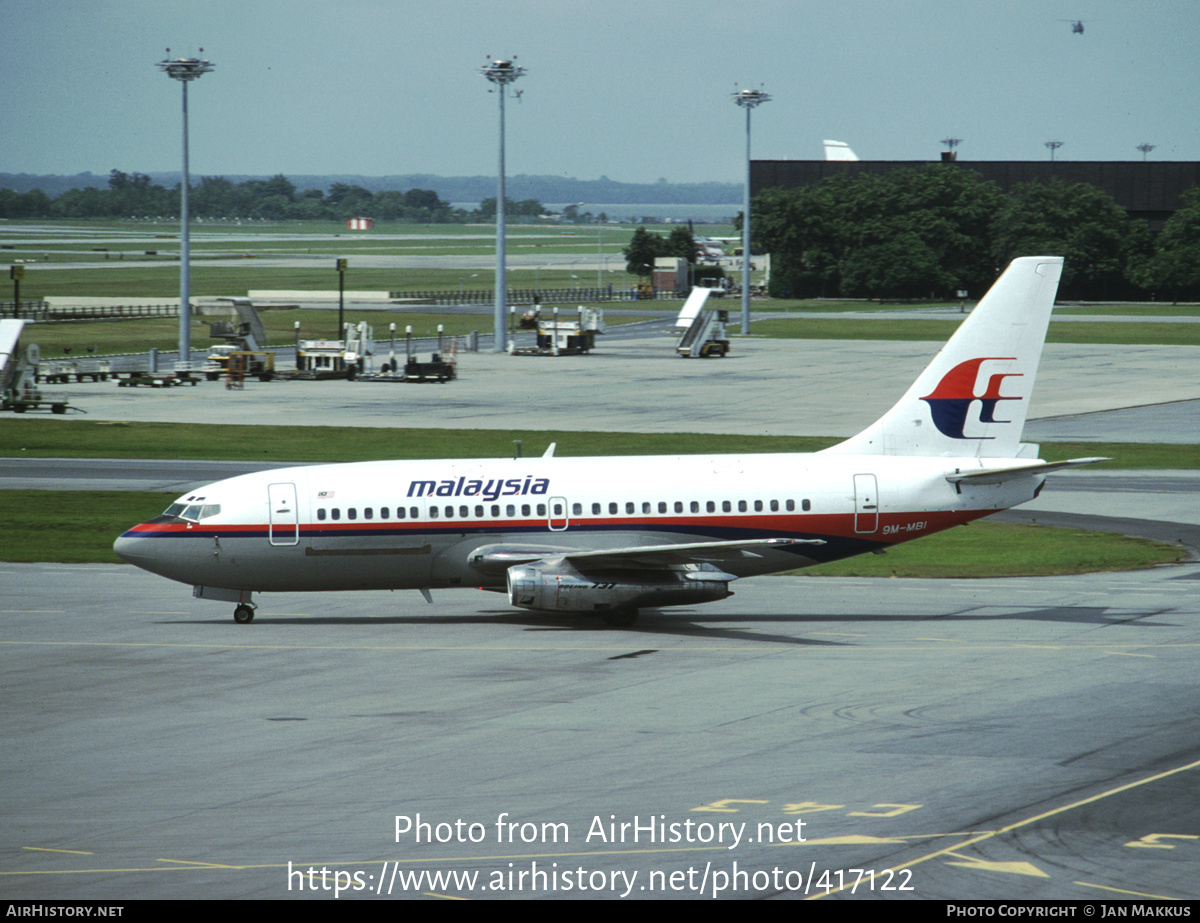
<point x="243" y="614"/>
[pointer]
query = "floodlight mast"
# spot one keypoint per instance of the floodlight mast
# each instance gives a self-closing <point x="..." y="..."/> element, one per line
<point x="748" y="99"/>
<point x="185" y="70"/>
<point x="501" y="73"/>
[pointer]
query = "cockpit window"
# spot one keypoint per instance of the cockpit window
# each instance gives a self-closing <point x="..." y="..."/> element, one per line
<point x="193" y="512"/>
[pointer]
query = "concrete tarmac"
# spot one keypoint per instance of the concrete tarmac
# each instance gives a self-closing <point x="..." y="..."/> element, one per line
<point x="764" y="386"/>
<point x="1023" y="738"/>
<point x="955" y="739"/>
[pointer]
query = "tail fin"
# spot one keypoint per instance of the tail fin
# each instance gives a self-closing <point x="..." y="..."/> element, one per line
<point x="973" y="398"/>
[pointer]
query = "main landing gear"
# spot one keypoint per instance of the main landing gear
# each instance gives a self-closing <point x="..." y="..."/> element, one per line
<point x="243" y="614"/>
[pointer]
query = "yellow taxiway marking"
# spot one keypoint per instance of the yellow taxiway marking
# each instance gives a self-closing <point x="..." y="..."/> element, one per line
<point x="191" y="863"/>
<point x="985" y="865"/>
<point x="1017" y="825"/>
<point x="73" y="852"/>
<point x="1143" y="894"/>
<point x="1154" y="840"/>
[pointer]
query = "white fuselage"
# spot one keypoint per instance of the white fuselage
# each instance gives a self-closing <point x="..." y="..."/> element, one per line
<point x="418" y="524"/>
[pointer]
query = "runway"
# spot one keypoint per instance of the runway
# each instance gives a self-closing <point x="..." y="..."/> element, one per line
<point x="1031" y="738"/>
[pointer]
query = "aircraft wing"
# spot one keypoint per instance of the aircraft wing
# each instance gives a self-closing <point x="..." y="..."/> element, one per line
<point x="1000" y="475"/>
<point x="500" y="557"/>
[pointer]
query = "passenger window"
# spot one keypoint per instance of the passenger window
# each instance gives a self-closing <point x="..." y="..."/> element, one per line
<point x="726" y="506"/>
<point x="449" y="512"/>
<point x="414" y="513"/>
<point x="433" y="512"/>
<point x="524" y="509"/>
<point x="612" y="509"/>
<point x="321" y="514"/>
<point x="646" y="508"/>
<point x="496" y="511"/>
<point x="541" y="510"/>
<point x="805" y="505"/>
<point x="368" y="513"/>
<point x="695" y="506"/>
<point x="479" y="512"/>
<point x="383" y="512"/>
<point x="629" y="508"/>
<point x="758" y="506"/>
<point x="790" y="505"/>
<point x="336" y="513"/>
<point x="576" y="509"/>
<point x="595" y="509"/>
<point x="464" y="512"/>
<point x="662" y="506"/>
<point x="399" y="512"/>
<point x="741" y="506"/>
<point x="710" y="506"/>
<point x="774" y="506"/>
<point x="678" y="506"/>
<point x="510" y="511"/>
<point x="352" y="513"/>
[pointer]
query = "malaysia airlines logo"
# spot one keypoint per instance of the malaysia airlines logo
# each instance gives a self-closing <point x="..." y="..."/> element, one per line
<point x="950" y="401"/>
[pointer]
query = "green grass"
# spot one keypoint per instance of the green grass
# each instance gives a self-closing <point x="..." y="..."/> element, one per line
<point x="1155" y="309"/>
<point x="55" y="437"/>
<point x="115" y="280"/>
<point x="31" y="438"/>
<point x="938" y="331"/>
<point x="68" y="526"/>
<point x="1000" y="549"/>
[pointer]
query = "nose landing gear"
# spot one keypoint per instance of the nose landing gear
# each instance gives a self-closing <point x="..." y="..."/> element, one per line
<point x="243" y="614"/>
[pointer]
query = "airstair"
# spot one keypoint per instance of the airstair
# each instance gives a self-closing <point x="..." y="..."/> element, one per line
<point x="703" y="328"/>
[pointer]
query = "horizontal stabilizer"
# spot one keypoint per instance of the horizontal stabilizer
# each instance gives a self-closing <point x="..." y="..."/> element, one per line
<point x="1000" y="475"/>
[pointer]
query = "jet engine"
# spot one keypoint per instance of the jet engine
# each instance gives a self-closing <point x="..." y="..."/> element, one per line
<point x="556" y="586"/>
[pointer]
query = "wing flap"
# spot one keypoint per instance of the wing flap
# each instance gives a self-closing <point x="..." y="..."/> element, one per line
<point x="497" y="558"/>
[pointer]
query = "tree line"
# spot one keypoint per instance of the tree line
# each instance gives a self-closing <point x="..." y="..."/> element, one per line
<point x="134" y="195"/>
<point x="934" y="230"/>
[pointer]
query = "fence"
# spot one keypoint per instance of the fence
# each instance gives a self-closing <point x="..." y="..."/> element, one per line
<point x="526" y="297"/>
<point x="43" y="313"/>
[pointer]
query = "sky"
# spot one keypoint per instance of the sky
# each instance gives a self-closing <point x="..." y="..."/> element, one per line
<point x="635" y="90"/>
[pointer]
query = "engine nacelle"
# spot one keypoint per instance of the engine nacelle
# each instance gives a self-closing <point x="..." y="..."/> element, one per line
<point x="558" y="587"/>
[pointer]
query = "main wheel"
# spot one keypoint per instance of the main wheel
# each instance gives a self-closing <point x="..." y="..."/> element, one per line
<point x="243" y="615"/>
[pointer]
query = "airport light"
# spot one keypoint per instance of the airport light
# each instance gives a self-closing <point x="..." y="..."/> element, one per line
<point x="185" y="70"/>
<point x="748" y="100"/>
<point x="1146" y="149"/>
<point x="1054" y="146"/>
<point x="501" y="73"/>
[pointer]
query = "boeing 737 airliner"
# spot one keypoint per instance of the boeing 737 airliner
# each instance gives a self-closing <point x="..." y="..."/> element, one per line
<point x="613" y="535"/>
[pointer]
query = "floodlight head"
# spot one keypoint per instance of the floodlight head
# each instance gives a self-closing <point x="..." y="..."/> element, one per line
<point x="952" y="143"/>
<point x="185" y="69"/>
<point x="749" y="98"/>
<point x="502" y="71"/>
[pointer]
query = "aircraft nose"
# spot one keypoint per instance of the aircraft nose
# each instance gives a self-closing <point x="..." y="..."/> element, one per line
<point x="133" y="549"/>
